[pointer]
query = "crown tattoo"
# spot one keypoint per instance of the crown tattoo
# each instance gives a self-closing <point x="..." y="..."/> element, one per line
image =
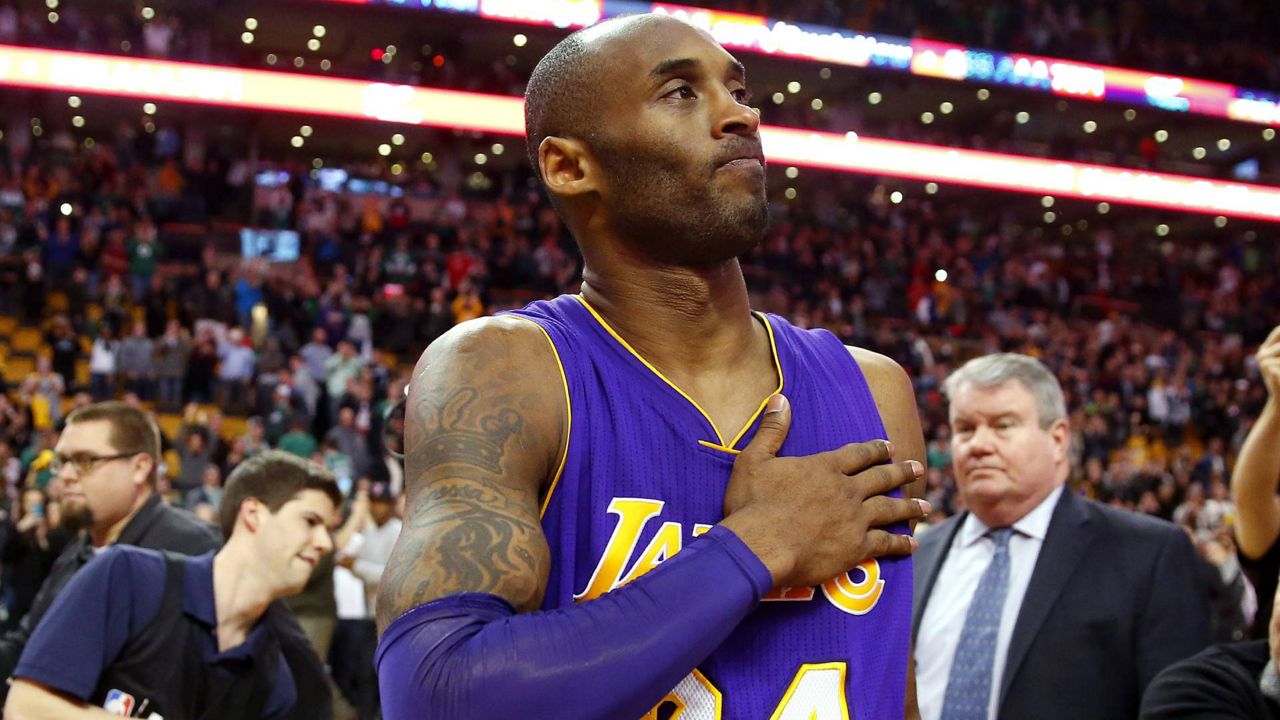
<point x="481" y="448"/>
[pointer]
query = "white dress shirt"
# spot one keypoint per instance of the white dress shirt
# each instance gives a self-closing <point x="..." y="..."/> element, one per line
<point x="948" y="603"/>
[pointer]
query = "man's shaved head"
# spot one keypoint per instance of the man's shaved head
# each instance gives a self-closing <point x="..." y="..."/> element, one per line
<point x="556" y="95"/>
<point x="566" y="84"/>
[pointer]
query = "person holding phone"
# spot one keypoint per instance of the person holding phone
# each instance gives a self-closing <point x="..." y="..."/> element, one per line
<point x="31" y="542"/>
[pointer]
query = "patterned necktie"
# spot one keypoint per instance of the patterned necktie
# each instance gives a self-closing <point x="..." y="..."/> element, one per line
<point x="969" y="685"/>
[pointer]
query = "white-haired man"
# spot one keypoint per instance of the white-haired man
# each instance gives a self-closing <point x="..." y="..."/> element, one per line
<point x="1037" y="603"/>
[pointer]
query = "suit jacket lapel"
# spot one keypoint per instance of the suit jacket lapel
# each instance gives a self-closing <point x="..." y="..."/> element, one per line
<point x="1065" y="543"/>
<point x="928" y="561"/>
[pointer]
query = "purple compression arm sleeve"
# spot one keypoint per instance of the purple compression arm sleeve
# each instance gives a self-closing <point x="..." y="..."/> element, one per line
<point x="470" y="656"/>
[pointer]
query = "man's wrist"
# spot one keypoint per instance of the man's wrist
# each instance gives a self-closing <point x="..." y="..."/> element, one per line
<point x="1270" y="410"/>
<point x="779" y="562"/>
<point x="747" y="560"/>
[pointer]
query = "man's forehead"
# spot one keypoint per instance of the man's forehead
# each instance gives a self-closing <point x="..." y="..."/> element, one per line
<point x="989" y="399"/>
<point x="86" y="435"/>
<point x="632" y="48"/>
<point x="310" y="500"/>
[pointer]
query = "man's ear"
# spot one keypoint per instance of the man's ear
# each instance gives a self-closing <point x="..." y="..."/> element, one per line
<point x="1060" y="431"/>
<point x="143" y="464"/>
<point x="567" y="167"/>
<point x="251" y="513"/>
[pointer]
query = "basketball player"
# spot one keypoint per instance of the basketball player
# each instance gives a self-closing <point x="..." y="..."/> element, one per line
<point x="646" y="499"/>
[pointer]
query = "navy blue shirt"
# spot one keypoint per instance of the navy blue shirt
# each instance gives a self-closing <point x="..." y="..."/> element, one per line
<point x="112" y="599"/>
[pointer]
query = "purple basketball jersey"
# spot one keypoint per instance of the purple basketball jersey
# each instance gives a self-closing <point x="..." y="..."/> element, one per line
<point x="645" y="474"/>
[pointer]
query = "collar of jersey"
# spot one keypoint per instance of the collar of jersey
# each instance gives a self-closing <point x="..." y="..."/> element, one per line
<point x="720" y="444"/>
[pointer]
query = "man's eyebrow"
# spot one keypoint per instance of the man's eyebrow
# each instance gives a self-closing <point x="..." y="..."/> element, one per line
<point x="675" y="66"/>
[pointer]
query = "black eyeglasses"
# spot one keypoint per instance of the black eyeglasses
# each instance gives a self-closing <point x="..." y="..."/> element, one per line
<point x="84" y="463"/>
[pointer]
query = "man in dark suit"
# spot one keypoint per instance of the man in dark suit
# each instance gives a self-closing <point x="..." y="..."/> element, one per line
<point x="1037" y="603"/>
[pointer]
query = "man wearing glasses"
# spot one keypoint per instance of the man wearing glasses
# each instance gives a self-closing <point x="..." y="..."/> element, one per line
<point x="106" y="461"/>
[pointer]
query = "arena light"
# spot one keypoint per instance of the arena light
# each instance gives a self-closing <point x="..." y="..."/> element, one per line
<point x="838" y="46"/>
<point x="1021" y="174"/>
<point x="261" y="89"/>
<point x="70" y="72"/>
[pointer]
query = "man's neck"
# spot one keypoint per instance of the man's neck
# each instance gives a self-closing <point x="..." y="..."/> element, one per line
<point x="679" y="319"/>
<point x="101" y="537"/>
<point x="241" y="595"/>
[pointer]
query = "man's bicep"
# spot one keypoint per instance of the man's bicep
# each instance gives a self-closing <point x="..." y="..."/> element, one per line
<point x="483" y="434"/>
<point x="896" y="401"/>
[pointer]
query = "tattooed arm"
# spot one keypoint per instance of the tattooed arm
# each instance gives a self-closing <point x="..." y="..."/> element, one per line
<point x="484" y="429"/>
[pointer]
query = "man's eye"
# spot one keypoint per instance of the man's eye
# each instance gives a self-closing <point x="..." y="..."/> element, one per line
<point x="684" y="92"/>
<point x="742" y="95"/>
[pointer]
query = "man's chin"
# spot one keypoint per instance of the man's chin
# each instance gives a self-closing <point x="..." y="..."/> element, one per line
<point x="76" y="517"/>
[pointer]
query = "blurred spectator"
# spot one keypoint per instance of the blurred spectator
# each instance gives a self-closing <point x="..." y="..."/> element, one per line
<point x="337" y="462"/>
<point x="248" y="294"/>
<point x="1233" y="603"/>
<point x="340" y="368"/>
<point x="103" y="363"/>
<point x="137" y="362"/>
<point x="298" y="440"/>
<point x="366" y="556"/>
<point x="235" y="371"/>
<point x="30" y="541"/>
<point x="172" y="353"/>
<point x="254" y="438"/>
<point x="1212" y="466"/>
<point x="64" y="349"/>
<point x="350" y="441"/>
<point x="195" y="456"/>
<point x="62" y="246"/>
<point x="158" y="36"/>
<point x="144" y="257"/>
<point x="208" y="493"/>
<point x="45" y="388"/>
<point x="279" y="415"/>
<point x="304" y="384"/>
<point x="202" y="365"/>
<point x="467" y="305"/>
<point x="316" y="354"/>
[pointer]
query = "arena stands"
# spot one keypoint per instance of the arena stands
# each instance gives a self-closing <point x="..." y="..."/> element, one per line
<point x="257" y="293"/>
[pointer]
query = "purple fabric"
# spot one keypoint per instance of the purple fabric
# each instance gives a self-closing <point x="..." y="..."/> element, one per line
<point x="646" y="472"/>
<point x="470" y="656"/>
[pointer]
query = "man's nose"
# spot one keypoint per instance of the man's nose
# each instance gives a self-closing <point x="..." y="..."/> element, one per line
<point x="736" y="118"/>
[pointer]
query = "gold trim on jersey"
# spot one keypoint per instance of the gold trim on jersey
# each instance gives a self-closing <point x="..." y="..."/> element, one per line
<point x="720" y="444"/>
<point x="721" y="448"/>
<point x="568" y="409"/>
<point x="773" y="348"/>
